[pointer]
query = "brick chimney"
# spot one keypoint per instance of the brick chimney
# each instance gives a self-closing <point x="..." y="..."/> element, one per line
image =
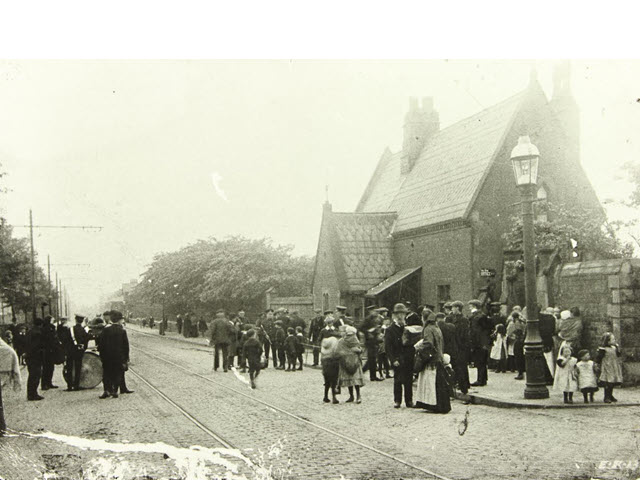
<point x="420" y="123"/>
<point x="566" y="109"/>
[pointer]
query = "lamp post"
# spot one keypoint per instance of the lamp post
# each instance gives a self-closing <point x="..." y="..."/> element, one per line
<point x="525" y="157"/>
<point x="163" y="293"/>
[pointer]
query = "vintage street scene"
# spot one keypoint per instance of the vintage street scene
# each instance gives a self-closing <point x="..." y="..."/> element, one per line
<point x="345" y="270"/>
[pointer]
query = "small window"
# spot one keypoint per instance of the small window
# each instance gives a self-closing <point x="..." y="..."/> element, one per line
<point x="541" y="207"/>
<point x="444" y="295"/>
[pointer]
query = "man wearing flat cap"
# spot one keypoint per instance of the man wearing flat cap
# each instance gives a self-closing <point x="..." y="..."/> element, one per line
<point x="462" y="341"/>
<point x="480" y="332"/>
<point x="222" y="334"/>
<point x="400" y="356"/>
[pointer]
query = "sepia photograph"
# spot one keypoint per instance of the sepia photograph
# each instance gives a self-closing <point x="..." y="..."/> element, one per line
<point x="281" y="269"/>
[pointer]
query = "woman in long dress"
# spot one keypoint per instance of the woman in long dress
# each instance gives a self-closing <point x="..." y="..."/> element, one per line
<point x="433" y="390"/>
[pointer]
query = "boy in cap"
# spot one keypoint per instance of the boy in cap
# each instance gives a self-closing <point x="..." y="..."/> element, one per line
<point x="252" y="351"/>
<point x="279" y="344"/>
<point x="291" y="349"/>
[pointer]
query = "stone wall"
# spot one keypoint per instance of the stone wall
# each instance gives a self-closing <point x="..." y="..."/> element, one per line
<point x="608" y="295"/>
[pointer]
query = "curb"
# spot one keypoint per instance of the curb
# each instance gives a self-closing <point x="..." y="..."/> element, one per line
<point x="498" y="403"/>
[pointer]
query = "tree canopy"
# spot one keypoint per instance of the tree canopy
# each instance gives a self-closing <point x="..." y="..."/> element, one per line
<point x="594" y="236"/>
<point x="231" y="273"/>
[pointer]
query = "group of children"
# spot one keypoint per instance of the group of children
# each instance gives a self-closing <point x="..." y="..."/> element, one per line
<point x="581" y="374"/>
<point x="289" y="347"/>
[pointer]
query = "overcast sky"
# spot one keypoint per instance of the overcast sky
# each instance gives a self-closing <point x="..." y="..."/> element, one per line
<point x="161" y="154"/>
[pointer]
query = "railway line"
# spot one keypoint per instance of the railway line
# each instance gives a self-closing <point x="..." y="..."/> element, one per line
<point x="303" y="448"/>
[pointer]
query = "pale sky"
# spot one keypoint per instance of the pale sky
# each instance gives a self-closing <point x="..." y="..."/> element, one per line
<point x="162" y="153"/>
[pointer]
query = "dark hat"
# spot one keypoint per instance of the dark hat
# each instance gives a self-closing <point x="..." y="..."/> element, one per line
<point x="400" y="308"/>
<point x="107" y="313"/>
<point x="317" y="310"/>
<point x="582" y="353"/>
<point x="79" y="318"/>
<point x="341" y="308"/>
<point x="440" y="315"/>
<point x="383" y="309"/>
<point x="268" y="310"/>
<point x="475" y="303"/>
<point x="278" y="322"/>
<point x="429" y="306"/>
<point x="458" y="304"/>
<point x="281" y="310"/>
<point x="328" y="312"/>
<point x="116" y="315"/>
<point x="448" y="305"/>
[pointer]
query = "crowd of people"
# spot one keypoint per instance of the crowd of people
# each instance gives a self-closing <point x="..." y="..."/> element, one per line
<point x="47" y="343"/>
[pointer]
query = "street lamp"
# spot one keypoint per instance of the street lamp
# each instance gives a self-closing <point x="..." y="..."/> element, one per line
<point x="163" y="293"/>
<point x="525" y="157"/>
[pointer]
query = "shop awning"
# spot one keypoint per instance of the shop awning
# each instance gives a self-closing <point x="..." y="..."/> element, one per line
<point x="391" y="281"/>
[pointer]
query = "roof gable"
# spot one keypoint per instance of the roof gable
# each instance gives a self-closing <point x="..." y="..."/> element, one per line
<point x="446" y="177"/>
<point x="364" y="243"/>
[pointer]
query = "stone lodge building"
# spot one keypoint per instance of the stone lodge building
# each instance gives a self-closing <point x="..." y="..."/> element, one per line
<point x="429" y="225"/>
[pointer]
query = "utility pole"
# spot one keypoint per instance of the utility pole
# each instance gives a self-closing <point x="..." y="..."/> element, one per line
<point x="49" y="281"/>
<point x="33" y="270"/>
<point x="57" y="296"/>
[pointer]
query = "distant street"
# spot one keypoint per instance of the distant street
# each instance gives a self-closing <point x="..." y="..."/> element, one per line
<point x="284" y="428"/>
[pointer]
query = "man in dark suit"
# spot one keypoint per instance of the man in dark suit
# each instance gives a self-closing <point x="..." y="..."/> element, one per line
<point x="267" y="334"/>
<point x="480" y="333"/>
<point x="461" y="324"/>
<point x="399" y="356"/>
<point x="81" y="339"/>
<point x="222" y="331"/>
<point x="34" y="354"/>
<point x="370" y="329"/>
<point x="68" y="345"/>
<point x="317" y="324"/>
<point x="113" y="346"/>
<point x="51" y="343"/>
<point x="449" y="344"/>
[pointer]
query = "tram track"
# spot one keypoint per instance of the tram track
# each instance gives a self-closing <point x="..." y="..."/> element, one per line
<point x="270" y="407"/>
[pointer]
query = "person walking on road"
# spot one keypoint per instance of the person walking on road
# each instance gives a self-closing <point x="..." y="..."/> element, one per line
<point x="400" y="356"/>
<point x="113" y="346"/>
<point x="252" y="352"/>
<point x="266" y="331"/>
<point x="220" y="339"/>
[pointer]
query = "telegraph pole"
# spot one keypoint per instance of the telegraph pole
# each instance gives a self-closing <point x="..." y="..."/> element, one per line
<point x="57" y="296"/>
<point x="49" y="281"/>
<point x="33" y="270"/>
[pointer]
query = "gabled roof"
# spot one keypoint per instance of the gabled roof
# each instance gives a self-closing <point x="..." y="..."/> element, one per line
<point x="449" y="172"/>
<point x="363" y="243"/>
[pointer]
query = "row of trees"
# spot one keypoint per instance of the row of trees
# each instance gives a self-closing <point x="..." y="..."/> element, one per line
<point x="232" y="273"/>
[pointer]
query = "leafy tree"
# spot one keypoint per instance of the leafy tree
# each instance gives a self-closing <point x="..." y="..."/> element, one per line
<point x="231" y="273"/>
<point x="596" y="238"/>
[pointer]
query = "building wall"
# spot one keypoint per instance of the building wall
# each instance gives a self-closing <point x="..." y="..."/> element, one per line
<point x="608" y="295"/>
<point x="303" y="305"/>
<point x="445" y="257"/>
<point x="498" y="201"/>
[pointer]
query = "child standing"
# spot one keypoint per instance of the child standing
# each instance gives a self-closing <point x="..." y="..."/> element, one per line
<point x="300" y="346"/>
<point x="330" y="363"/>
<point x="280" y="337"/>
<point x="251" y="352"/>
<point x="499" y="349"/>
<point x="610" y="369"/>
<point x="383" y="362"/>
<point x="565" y="378"/>
<point x="586" y="376"/>
<point x="350" y="373"/>
<point x="291" y="349"/>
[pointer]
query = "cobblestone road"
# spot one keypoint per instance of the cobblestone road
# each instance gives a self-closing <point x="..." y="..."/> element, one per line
<point x="496" y="444"/>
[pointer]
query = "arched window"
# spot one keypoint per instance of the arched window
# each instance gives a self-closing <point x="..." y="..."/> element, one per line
<point x="541" y="204"/>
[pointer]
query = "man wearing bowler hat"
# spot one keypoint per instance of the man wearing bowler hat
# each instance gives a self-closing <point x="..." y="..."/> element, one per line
<point x="480" y="332"/>
<point x="462" y="341"/>
<point x="399" y="356"/>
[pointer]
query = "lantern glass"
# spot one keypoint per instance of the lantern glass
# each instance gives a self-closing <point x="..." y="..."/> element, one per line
<point x="525" y="170"/>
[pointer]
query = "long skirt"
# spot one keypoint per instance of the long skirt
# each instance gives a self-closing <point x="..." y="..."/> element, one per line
<point x="433" y="390"/>
<point x="346" y="379"/>
<point x="330" y="371"/>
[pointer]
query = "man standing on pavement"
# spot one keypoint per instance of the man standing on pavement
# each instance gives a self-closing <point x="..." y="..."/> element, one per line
<point x="34" y="354"/>
<point x="316" y="326"/>
<point x="114" y="353"/>
<point x="68" y="345"/>
<point x="480" y="332"/>
<point x="449" y="344"/>
<point x="399" y="357"/>
<point x="221" y="337"/>
<point x="80" y="339"/>
<point x="462" y="340"/>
